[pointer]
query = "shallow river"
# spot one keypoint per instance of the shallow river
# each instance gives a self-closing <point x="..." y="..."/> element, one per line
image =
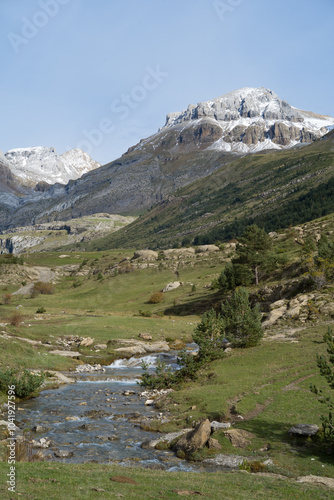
<point x="94" y="419"/>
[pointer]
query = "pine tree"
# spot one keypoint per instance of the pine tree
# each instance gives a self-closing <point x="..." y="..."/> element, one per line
<point x="253" y="251"/>
<point x="242" y="323"/>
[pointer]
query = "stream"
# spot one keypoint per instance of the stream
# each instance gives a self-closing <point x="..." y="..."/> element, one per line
<point x="98" y="417"/>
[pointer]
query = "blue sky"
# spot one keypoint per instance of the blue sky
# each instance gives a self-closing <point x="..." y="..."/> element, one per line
<point x="104" y="74"/>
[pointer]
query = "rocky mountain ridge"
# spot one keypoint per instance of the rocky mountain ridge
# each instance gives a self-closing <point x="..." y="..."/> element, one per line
<point x="251" y="120"/>
<point x="191" y="146"/>
<point x="43" y="164"/>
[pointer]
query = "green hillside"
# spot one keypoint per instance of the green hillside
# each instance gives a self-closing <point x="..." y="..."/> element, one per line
<point x="274" y="190"/>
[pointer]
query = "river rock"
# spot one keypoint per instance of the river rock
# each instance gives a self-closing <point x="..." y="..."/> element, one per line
<point x="39" y="428"/>
<point x="63" y="454"/>
<point x="304" y="430"/>
<point x="42" y="443"/>
<point x="149" y="402"/>
<point x="195" y="439"/>
<point x="167" y="438"/>
<point x="230" y="461"/>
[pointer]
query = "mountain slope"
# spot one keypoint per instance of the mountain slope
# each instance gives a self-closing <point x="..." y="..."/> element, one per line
<point x="191" y="146"/>
<point x="274" y="190"/>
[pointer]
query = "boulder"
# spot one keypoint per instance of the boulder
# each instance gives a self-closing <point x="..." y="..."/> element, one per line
<point x="195" y="439"/>
<point x="216" y="426"/>
<point x="172" y="286"/>
<point x="239" y="438"/>
<point x="304" y="430"/>
<point x="145" y="336"/>
<point x="86" y="342"/>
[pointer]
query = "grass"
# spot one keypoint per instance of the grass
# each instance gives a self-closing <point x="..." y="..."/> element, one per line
<point x="40" y="480"/>
<point x="267" y="385"/>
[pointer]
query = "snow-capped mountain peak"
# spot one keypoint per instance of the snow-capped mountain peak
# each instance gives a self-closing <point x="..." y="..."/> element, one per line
<point x="42" y="164"/>
<point x="252" y="119"/>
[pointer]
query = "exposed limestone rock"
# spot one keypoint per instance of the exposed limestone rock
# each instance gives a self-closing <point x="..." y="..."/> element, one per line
<point x="230" y="461"/>
<point x="216" y="426"/>
<point x="207" y="248"/>
<point x="326" y="481"/>
<point x="172" y="286"/>
<point x="304" y="430"/>
<point x="177" y="253"/>
<point x="132" y="347"/>
<point x="145" y="255"/>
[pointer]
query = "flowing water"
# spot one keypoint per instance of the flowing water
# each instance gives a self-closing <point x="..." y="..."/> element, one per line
<point x="95" y="420"/>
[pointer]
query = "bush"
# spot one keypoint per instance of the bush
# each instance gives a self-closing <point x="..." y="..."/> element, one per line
<point x="42" y="288"/>
<point x="40" y="310"/>
<point x="156" y="298"/>
<point x="6" y="299"/>
<point x="25" y="383"/>
<point x="16" y="319"/>
<point x="242" y="323"/>
<point x="145" y="314"/>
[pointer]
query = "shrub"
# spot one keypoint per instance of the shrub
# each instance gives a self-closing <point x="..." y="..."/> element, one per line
<point x="7" y="299"/>
<point x="24" y="381"/>
<point x="252" y="466"/>
<point x="145" y="314"/>
<point x="40" y="310"/>
<point x="42" y="288"/>
<point x="156" y="298"/>
<point x="16" y="319"/>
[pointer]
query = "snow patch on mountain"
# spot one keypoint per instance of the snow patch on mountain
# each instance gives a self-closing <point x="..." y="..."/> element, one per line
<point x="42" y="164"/>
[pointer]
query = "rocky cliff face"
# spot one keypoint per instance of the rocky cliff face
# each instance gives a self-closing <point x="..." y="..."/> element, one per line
<point x="40" y="164"/>
<point x="248" y="120"/>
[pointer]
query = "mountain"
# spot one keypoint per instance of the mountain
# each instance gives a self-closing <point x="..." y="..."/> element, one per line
<point x="248" y="120"/>
<point x="274" y="190"/>
<point x="41" y="164"/>
<point x="191" y="146"/>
